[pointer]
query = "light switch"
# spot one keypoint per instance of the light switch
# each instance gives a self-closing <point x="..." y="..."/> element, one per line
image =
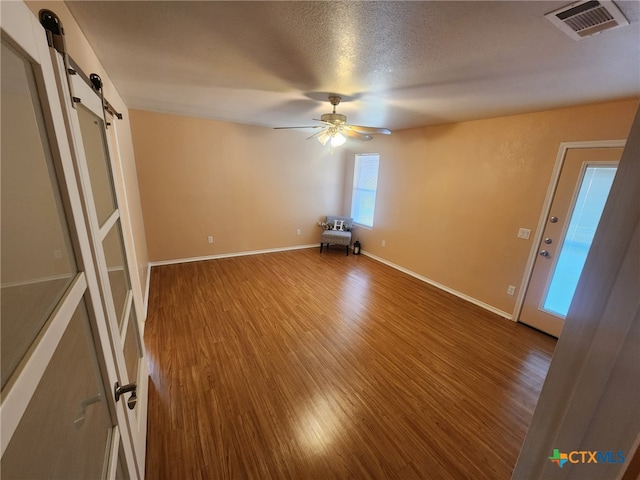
<point x="524" y="233"/>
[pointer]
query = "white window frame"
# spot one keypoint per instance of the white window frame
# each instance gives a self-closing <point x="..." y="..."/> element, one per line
<point x="355" y="211"/>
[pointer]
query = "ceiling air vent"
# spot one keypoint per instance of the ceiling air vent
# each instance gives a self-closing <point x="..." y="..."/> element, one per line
<point x="586" y="18"/>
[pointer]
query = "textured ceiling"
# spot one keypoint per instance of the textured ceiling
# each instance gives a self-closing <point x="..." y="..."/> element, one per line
<point x="396" y="64"/>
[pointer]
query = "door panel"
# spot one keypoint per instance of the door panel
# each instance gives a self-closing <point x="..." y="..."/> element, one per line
<point x="132" y="353"/>
<point x="67" y="414"/>
<point x="592" y="196"/>
<point x="102" y="210"/>
<point x="58" y="417"/>
<point x="117" y="270"/>
<point x="92" y="130"/>
<point x="38" y="262"/>
<point x="581" y="190"/>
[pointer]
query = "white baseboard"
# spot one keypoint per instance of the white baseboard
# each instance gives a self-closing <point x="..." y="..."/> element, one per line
<point x="229" y="255"/>
<point x="475" y="301"/>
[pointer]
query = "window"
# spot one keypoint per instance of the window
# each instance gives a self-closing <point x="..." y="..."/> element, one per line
<point x="365" y="183"/>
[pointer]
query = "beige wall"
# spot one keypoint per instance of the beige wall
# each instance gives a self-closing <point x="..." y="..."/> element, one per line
<point x="452" y="197"/>
<point x="124" y="162"/>
<point x="450" y="201"/>
<point x="249" y="187"/>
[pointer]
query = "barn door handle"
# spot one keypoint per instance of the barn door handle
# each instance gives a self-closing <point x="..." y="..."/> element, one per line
<point x="118" y="391"/>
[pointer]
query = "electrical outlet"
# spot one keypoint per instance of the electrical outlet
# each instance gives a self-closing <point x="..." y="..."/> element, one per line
<point x="511" y="290"/>
<point x="298" y="232"/>
<point x="383" y="243"/>
<point x="210" y="239"/>
<point x="524" y="233"/>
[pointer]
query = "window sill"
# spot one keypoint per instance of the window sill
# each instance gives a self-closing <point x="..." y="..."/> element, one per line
<point x="359" y="225"/>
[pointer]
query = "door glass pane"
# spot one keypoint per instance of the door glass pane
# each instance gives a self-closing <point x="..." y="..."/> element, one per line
<point x="92" y="129"/>
<point x="66" y="429"/>
<point x="37" y="257"/>
<point x="585" y="217"/>
<point x="117" y="268"/>
<point x="131" y="350"/>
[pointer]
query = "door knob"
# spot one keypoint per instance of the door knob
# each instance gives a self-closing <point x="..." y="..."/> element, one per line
<point x="544" y="253"/>
<point x="553" y="219"/>
<point x="132" y="400"/>
<point x="118" y="391"/>
<point x="548" y="241"/>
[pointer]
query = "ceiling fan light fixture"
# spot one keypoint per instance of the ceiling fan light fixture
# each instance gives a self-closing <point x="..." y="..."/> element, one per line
<point x="324" y="137"/>
<point x="335" y="127"/>
<point x="338" y="139"/>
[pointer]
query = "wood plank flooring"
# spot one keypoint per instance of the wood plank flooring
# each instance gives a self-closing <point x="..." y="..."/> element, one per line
<point x="301" y="365"/>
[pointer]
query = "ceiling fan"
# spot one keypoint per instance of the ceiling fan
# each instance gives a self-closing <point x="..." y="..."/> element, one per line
<point x="335" y="128"/>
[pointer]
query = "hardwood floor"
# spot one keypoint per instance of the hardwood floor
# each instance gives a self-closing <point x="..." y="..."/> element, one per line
<point x="301" y="365"/>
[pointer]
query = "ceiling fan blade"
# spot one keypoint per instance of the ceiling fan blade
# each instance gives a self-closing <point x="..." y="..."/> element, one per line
<point x="332" y="124"/>
<point x="366" y="130"/>
<point x="316" y="134"/>
<point x="357" y="135"/>
<point x="286" y="128"/>
<point x="323" y="121"/>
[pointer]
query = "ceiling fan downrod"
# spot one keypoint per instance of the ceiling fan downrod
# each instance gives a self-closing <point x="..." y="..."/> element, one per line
<point x="334" y="118"/>
<point x="335" y="100"/>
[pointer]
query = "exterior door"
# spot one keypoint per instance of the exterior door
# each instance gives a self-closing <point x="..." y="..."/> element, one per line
<point x="58" y="414"/>
<point x="87" y="122"/>
<point x="570" y="224"/>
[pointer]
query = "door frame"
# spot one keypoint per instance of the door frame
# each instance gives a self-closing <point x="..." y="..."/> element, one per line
<point x="563" y="150"/>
